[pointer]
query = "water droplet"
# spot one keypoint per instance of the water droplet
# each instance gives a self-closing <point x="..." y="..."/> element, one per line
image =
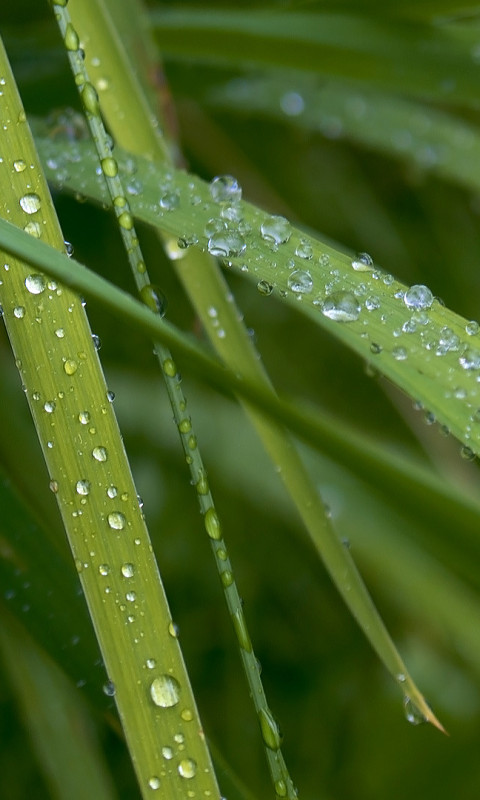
<point x="60" y="333"/>
<point x="99" y="453"/>
<point x="467" y="453"/>
<point x="116" y="520"/>
<point x="280" y="788"/>
<point x="472" y="327"/>
<point x="49" y="406"/>
<point x="202" y="484"/>
<point x="70" y="366"/>
<point x="470" y="359"/>
<point x="128" y="570"/>
<point x="154" y="783"/>
<point x="35" y="284"/>
<point x="53" y="485"/>
<point x="82" y="487"/>
<point x="84" y="418"/>
<point x="104" y="570"/>
<point x="109" y="167"/>
<point x="154" y="298"/>
<point x="227" y="578"/>
<point x="173" y="630"/>
<point x="170" y="200"/>
<point x="226" y="244"/>
<point x="109" y="688"/>
<point x="418" y="297"/>
<point x="19" y="165"/>
<point x="270" y="731"/>
<point x="187" y="768"/>
<point x="131" y="597"/>
<point x="292" y="104"/>
<point x="225" y="189"/>
<point x="300" y="281"/>
<point x="362" y="262"/>
<point x="264" y="288"/>
<point x="30" y="203"/>
<point x="112" y="491"/>
<point x="212" y="524"/>
<point x="241" y="630"/>
<point x="372" y="303"/>
<point x="304" y="249"/>
<point x="19" y="312"/>
<point x="167" y="753"/>
<point x="399" y="353"/>
<point x="341" y="307"/>
<point x="165" y="691"/>
<point x="276" y="230"/>
<point x="186" y="715"/>
<point x="413" y="714"/>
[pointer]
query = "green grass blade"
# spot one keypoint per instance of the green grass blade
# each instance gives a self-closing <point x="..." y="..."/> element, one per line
<point x="91" y="479"/>
<point x="360" y="48"/>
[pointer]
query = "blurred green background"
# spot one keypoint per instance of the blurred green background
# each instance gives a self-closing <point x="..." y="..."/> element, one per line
<point x="346" y="737"/>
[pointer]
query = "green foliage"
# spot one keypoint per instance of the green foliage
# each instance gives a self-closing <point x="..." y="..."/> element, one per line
<point x="360" y="125"/>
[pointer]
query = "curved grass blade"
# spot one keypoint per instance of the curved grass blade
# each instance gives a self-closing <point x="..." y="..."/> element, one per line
<point x="406" y="333"/>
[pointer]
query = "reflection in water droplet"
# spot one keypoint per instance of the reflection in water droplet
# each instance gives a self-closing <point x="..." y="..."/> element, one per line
<point x="264" y="288"/>
<point x="35" y="283"/>
<point x="418" y="297"/>
<point x="128" y="570"/>
<point x="83" y="487"/>
<point x="167" y="753"/>
<point x="104" y="570"/>
<point x="187" y="768"/>
<point x="300" y="281"/>
<point x="341" y="307"/>
<point x="165" y="691"/>
<point x="70" y="366"/>
<point x="109" y="688"/>
<point x="116" y="520"/>
<point x="19" y="165"/>
<point x="270" y="731"/>
<point x="362" y="262"/>
<point x="154" y="783"/>
<point x="226" y="244"/>
<point x="154" y="298"/>
<point x="413" y="714"/>
<point x="19" y="312"/>
<point x="212" y="524"/>
<point x="225" y="189"/>
<point x="276" y="230"/>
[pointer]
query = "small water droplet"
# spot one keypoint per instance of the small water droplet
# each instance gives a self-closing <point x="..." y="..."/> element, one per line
<point x="104" y="570"/>
<point x="187" y="768"/>
<point x="341" y="307"/>
<point x="264" y="288"/>
<point x="109" y="688"/>
<point x="19" y="312"/>
<point x="116" y="520"/>
<point x="154" y="783"/>
<point x="280" y="788"/>
<point x="225" y="189"/>
<point x="413" y="714"/>
<point x="35" y="283"/>
<point x="418" y="297"/>
<point x="165" y="691"/>
<point x="467" y="453"/>
<point x="84" y="419"/>
<point x="100" y="453"/>
<point x="470" y="359"/>
<point x="53" y="485"/>
<point x="270" y="731"/>
<point x="150" y="663"/>
<point x="30" y="203"/>
<point x="167" y="753"/>
<point x="304" y="249"/>
<point x="472" y="327"/>
<point x="19" y="165"/>
<point x="300" y="281"/>
<point x="362" y="262"/>
<point x="170" y="200"/>
<point x="154" y="298"/>
<point x="82" y="487"/>
<point x="128" y="570"/>
<point x="212" y="524"/>
<point x="70" y="366"/>
<point x="49" y="406"/>
<point x="276" y="230"/>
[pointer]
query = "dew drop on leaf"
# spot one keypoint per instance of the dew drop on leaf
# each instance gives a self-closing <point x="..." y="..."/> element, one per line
<point x="341" y="307"/>
<point x="187" y="768"/>
<point x="165" y="691"/>
<point x="30" y="203"/>
<point x="116" y="520"/>
<point x="35" y="283"/>
<point x="276" y="230"/>
<point x="99" y="453"/>
<point x="300" y="282"/>
<point x="418" y="297"/>
<point x="225" y="189"/>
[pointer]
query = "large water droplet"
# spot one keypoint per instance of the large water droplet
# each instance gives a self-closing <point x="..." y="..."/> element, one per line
<point x="418" y="297"/>
<point x="470" y="359"/>
<point x="226" y="244"/>
<point x="362" y="262"/>
<point x="165" y="691"/>
<point x="412" y="713"/>
<point x="35" y="284"/>
<point x="276" y="230"/>
<point x="128" y="570"/>
<point x="100" y="453"/>
<point x="116" y="520"/>
<point x="212" y="524"/>
<point x="154" y="298"/>
<point x="225" y="189"/>
<point x="30" y="203"/>
<point x="19" y="312"/>
<point x="270" y="731"/>
<point x="300" y="281"/>
<point x="170" y="200"/>
<point x="154" y="782"/>
<point x="82" y="487"/>
<point x="187" y="768"/>
<point x="341" y="307"/>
